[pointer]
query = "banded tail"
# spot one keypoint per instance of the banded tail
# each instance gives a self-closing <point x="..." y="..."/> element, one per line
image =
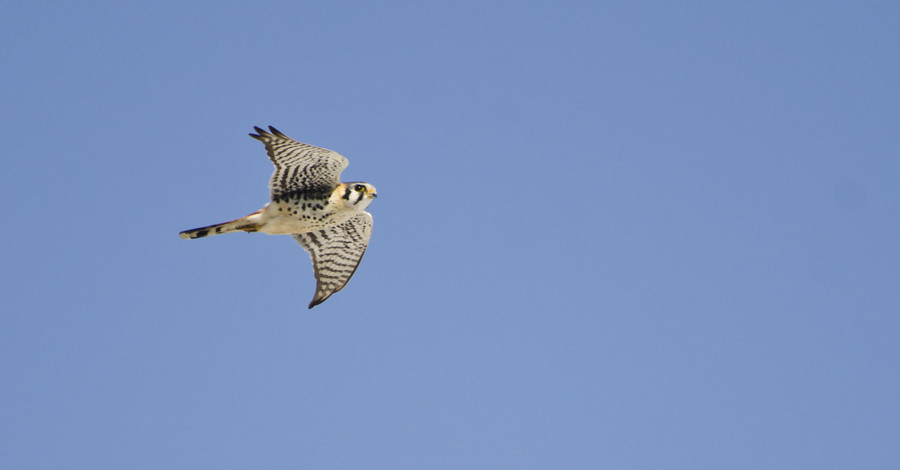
<point x="247" y="224"/>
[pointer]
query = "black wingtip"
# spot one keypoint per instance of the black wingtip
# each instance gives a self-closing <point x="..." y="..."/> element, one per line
<point x="259" y="133"/>
<point x="262" y="134"/>
<point x="316" y="300"/>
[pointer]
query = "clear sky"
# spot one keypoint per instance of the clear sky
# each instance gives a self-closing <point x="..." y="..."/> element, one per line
<point x="631" y="235"/>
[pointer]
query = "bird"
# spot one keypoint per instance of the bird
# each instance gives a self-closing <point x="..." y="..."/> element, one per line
<point x="311" y="204"/>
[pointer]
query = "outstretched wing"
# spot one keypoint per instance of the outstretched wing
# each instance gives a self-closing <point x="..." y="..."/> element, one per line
<point x="336" y="252"/>
<point x="299" y="167"/>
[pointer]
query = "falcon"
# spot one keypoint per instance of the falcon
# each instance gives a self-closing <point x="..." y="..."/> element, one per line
<point x="310" y="203"/>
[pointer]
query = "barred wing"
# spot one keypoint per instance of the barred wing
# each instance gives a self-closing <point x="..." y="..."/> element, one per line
<point x="336" y="252"/>
<point x="299" y="167"/>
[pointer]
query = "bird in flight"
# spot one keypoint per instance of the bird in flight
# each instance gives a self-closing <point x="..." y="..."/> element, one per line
<point x="310" y="203"/>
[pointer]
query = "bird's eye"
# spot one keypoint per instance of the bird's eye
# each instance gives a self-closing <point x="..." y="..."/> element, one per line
<point x="359" y="188"/>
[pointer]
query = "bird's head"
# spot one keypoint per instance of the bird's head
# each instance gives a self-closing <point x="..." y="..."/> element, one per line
<point x="356" y="195"/>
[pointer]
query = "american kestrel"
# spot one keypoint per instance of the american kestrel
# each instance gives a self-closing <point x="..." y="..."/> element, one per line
<point x="310" y="203"/>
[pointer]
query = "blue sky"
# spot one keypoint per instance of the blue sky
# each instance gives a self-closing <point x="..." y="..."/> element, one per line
<point x="630" y="235"/>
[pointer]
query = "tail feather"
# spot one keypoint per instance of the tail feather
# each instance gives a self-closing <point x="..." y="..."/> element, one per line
<point x="246" y="224"/>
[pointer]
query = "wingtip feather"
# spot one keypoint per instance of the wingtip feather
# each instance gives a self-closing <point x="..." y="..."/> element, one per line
<point x="262" y="134"/>
<point x="259" y="133"/>
<point x="318" y="299"/>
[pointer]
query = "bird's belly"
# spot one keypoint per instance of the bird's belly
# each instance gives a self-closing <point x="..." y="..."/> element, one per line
<point x="292" y="219"/>
<point x="280" y="225"/>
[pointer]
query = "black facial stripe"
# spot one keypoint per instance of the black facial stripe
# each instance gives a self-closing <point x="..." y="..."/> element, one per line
<point x="347" y="194"/>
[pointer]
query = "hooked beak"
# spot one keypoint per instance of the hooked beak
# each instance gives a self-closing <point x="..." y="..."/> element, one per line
<point x="371" y="194"/>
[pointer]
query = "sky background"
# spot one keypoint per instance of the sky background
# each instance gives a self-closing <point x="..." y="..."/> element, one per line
<point x="629" y="235"/>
